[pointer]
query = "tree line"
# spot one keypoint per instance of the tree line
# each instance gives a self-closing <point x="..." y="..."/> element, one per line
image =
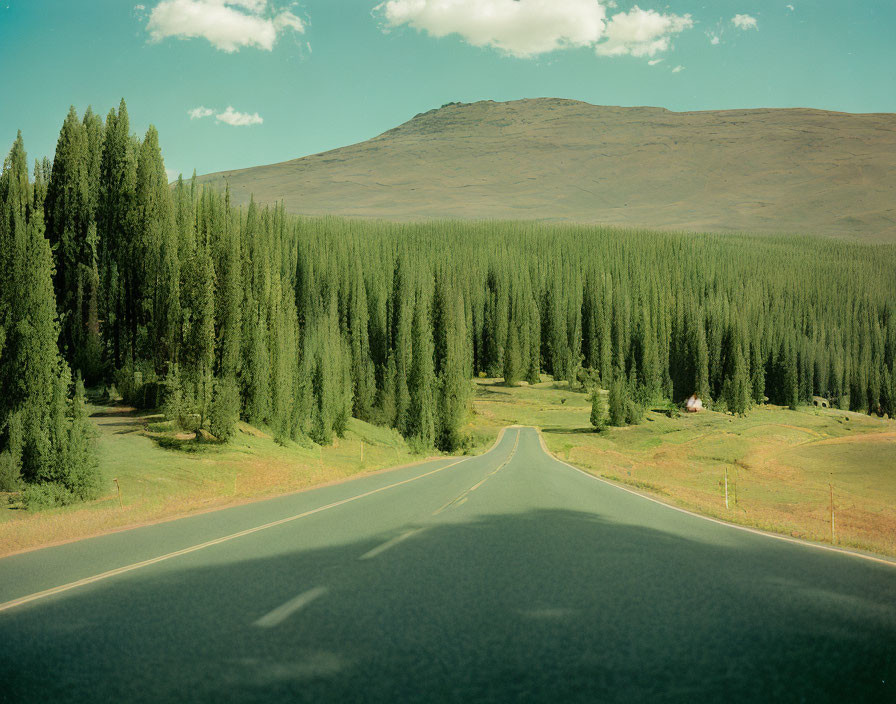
<point x="216" y="313"/>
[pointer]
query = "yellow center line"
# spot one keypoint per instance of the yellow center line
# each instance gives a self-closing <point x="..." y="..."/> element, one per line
<point x="465" y="495"/>
<point x="161" y="558"/>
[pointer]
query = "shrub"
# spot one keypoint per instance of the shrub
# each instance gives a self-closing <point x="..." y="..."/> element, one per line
<point x="634" y="412"/>
<point x="37" y="497"/>
<point x="11" y="457"/>
<point x="617" y="403"/>
<point x="598" y="411"/>
<point x="225" y="411"/>
<point x="139" y="386"/>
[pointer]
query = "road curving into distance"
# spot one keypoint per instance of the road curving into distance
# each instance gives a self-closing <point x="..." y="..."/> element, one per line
<point x="505" y="577"/>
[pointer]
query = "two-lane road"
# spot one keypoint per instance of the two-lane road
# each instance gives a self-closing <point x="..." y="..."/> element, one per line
<point x="505" y="577"/>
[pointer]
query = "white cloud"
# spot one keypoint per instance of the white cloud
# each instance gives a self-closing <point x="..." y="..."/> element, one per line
<point x="526" y="28"/>
<point x="654" y="62"/>
<point x="287" y="20"/>
<point x="171" y="174"/>
<point x="714" y="39"/>
<point x="229" y="116"/>
<point x="238" y="119"/>
<point x="227" y="24"/>
<point x="790" y="7"/>
<point x="139" y="8"/>
<point x="678" y="69"/>
<point x="744" y="22"/>
<point x="200" y="112"/>
<point x="641" y="32"/>
<point x="521" y="28"/>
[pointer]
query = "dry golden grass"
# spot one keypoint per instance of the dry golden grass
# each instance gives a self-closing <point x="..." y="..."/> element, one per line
<point x="780" y="463"/>
<point x="159" y="484"/>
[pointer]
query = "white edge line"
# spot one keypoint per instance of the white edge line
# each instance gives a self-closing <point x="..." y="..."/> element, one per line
<point x="284" y="611"/>
<point x="746" y="529"/>
<point x="145" y="563"/>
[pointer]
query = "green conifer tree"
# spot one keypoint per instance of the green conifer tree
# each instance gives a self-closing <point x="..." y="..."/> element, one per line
<point x="598" y="411"/>
<point x="421" y="416"/>
<point x="512" y="356"/>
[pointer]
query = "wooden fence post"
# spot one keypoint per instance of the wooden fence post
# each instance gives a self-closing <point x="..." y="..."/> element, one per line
<point x="833" y="534"/>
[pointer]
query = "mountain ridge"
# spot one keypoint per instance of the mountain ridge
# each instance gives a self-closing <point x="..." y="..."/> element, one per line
<point x="799" y="170"/>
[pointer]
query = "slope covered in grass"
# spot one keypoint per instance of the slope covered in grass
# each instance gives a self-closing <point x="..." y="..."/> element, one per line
<point x="767" y="170"/>
<point x="780" y="463"/>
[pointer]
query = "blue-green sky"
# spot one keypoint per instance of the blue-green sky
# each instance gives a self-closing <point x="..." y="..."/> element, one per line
<point x="321" y="74"/>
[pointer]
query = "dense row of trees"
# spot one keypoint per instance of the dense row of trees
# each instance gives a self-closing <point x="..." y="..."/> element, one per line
<point x="217" y="313"/>
<point x="45" y="436"/>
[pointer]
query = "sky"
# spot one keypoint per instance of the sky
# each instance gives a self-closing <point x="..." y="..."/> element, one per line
<point x="238" y="83"/>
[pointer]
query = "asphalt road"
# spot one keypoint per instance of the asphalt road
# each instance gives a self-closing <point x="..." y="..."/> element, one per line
<point x="505" y="577"/>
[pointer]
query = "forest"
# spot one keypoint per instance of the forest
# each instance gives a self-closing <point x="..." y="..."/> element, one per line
<point x="112" y="278"/>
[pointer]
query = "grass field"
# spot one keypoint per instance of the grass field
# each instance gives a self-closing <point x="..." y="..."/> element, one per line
<point x="780" y="463"/>
<point x="162" y="476"/>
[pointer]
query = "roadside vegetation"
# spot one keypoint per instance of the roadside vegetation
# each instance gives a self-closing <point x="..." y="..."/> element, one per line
<point x="782" y="465"/>
<point x="163" y="472"/>
<point x="216" y="319"/>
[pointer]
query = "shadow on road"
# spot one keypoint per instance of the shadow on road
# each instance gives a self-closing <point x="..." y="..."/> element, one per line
<point x="545" y="606"/>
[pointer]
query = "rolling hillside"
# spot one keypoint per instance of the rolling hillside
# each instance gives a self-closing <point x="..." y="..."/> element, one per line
<point x="770" y="170"/>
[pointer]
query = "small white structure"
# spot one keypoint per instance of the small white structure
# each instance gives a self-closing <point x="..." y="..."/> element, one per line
<point x="693" y="404"/>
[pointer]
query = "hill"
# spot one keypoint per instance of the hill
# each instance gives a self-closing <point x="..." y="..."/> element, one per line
<point x="769" y="170"/>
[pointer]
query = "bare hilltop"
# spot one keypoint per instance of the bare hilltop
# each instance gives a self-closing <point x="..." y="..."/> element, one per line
<point x="767" y="170"/>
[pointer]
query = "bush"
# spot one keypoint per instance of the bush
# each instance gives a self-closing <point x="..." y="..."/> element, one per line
<point x="419" y="446"/>
<point x="598" y="411"/>
<point x="225" y="410"/>
<point x="38" y="497"/>
<point x="177" y="407"/>
<point x="11" y="457"/>
<point x="139" y="387"/>
<point x="617" y="403"/>
<point x="10" y="474"/>
<point x="634" y="412"/>
<point x="78" y="467"/>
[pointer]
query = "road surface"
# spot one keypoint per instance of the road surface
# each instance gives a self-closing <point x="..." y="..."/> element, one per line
<point x="504" y="577"/>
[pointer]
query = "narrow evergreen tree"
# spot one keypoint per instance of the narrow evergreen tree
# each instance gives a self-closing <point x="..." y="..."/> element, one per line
<point x="598" y="411"/>
<point x="757" y="373"/>
<point x="363" y="379"/>
<point x="156" y="282"/>
<point x="737" y="386"/>
<point x="421" y="415"/>
<point x="533" y="372"/>
<point x="616" y="402"/>
<point x="512" y="356"/>
<point x="454" y="381"/>
<point x="70" y="228"/>
<point x="116" y="225"/>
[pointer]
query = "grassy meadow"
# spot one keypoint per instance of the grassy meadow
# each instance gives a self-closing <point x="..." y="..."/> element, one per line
<point x="780" y="463"/>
